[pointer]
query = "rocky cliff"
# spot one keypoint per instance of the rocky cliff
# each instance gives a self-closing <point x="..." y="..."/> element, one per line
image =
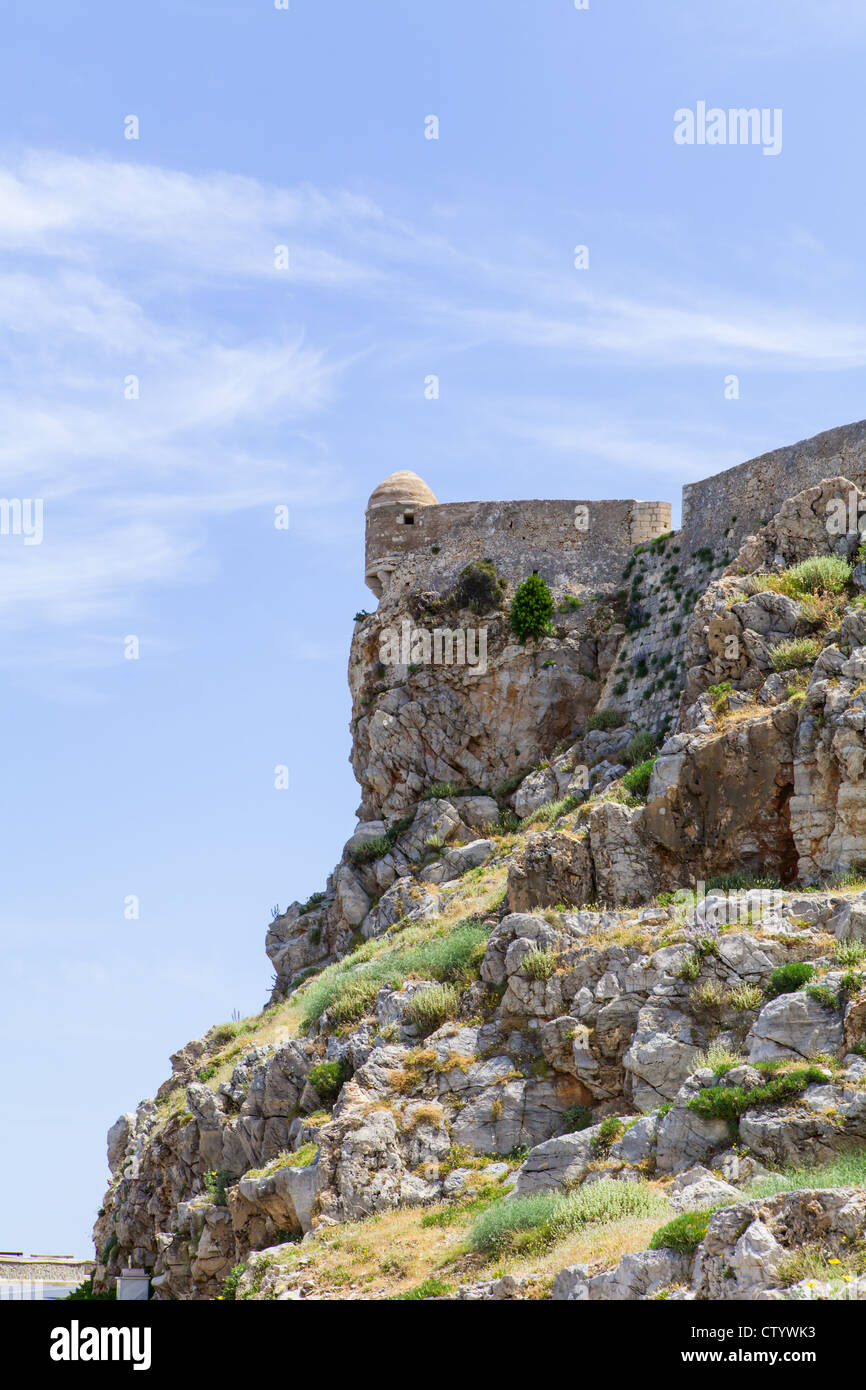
<point x="581" y="1011"/>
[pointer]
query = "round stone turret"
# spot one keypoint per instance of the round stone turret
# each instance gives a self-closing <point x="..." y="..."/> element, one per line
<point x="395" y="513"/>
<point x="403" y="487"/>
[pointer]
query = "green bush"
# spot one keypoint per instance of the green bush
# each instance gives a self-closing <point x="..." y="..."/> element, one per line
<point x="797" y="651"/>
<point x="610" y="1129"/>
<point x="379" y="845"/>
<point x="639" y="748"/>
<point x="605" y="719"/>
<point x="478" y="587"/>
<point x="223" y="1033"/>
<point x="851" y="984"/>
<point x="216" y="1182"/>
<point x="230" y="1285"/>
<point x="730" y="1102"/>
<point x="820" y="574"/>
<point x="746" y="997"/>
<point x="637" y="779"/>
<point x="719" y="1058"/>
<point x="787" y="979"/>
<point x="429" y="1008"/>
<point x="313" y="901"/>
<point x="326" y="1079"/>
<point x="691" y="967"/>
<point x="354" y="1001"/>
<point x="538" y="965"/>
<point x="540" y="1220"/>
<point x="532" y="609"/>
<point x="682" y="1234"/>
<point x="576" y="1118"/>
<point x="720" y="697"/>
<point x="850" y="952"/>
<point x="84" y="1293"/>
<point x="440" y="791"/>
<point x="822" y="995"/>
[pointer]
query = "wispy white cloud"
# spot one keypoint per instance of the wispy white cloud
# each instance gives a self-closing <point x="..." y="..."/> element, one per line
<point x="69" y="580"/>
<point x="122" y="269"/>
<point x="659" y="450"/>
<point x="554" y="315"/>
<point x="56" y="206"/>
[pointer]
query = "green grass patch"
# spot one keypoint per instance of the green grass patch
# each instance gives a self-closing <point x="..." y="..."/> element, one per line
<point x="605" y="719"/>
<point x="730" y="1102"/>
<point x="682" y="1234"/>
<point x="530" y="1224"/>
<point x="845" y="1170"/>
<point x="348" y="989"/>
<point x="740" y="882"/>
<point x="431" y="1288"/>
<point x="796" y="651"/>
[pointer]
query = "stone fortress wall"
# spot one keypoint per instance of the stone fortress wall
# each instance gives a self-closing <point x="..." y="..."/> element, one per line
<point x="414" y="541"/>
<point x="571" y="544"/>
<point x="744" y="498"/>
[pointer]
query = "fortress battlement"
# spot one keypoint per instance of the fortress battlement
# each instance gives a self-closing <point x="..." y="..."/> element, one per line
<point x="413" y="540"/>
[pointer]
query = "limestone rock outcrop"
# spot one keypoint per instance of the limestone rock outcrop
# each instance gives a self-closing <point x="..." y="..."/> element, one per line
<point x="564" y="945"/>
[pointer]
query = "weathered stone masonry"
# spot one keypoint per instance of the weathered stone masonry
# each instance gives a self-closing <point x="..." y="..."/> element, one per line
<point x="412" y="540"/>
<point x="570" y="543"/>
<point x="745" y="497"/>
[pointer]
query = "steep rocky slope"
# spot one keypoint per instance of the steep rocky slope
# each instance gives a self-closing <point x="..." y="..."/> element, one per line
<point x="576" y="1015"/>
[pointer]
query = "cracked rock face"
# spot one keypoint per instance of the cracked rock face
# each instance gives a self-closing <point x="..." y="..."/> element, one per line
<point x="794" y="1025"/>
<point x="610" y="1030"/>
<point x="413" y="729"/>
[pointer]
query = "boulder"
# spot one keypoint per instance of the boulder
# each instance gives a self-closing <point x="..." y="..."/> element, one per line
<point x="794" y="1025"/>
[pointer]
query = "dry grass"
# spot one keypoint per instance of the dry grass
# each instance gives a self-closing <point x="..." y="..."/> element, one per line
<point x="392" y="1253"/>
<point x="629" y="934"/>
<point x="600" y="1247"/>
<point x="281" y="1022"/>
<point x="476" y="894"/>
<point x="744" y="715"/>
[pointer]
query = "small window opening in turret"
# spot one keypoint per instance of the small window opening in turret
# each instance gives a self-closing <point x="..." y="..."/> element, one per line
<point x="408" y="518"/>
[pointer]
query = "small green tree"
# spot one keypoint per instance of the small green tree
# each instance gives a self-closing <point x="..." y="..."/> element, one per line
<point x="478" y="587"/>
<point x="532" y="609"/>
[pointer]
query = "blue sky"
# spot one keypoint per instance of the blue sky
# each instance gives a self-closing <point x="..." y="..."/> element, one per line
<point x="408" y="257"/>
